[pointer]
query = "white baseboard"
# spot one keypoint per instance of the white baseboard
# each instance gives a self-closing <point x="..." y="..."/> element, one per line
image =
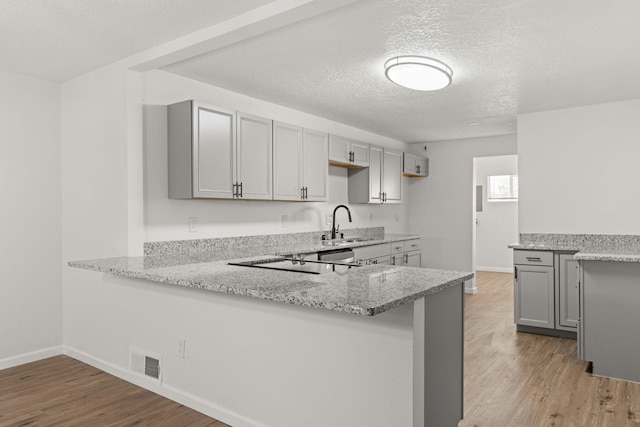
<point x="496" y="269"/>
<point x="32" y="356"/>
<point x="470" y="286"/>
<point x="177" y="395"/>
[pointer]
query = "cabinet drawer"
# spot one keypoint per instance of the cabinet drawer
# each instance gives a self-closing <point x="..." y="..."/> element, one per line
<point x="397" y="247"/>
<point x="533" y="257"/>
<point x="412" y="245"/>
<point x="374" y="251"/>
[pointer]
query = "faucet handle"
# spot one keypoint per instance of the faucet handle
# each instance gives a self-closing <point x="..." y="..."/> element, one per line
<point x="337" y="228"/>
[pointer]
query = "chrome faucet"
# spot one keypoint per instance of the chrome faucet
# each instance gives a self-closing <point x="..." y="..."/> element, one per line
<point x="334" y="230"/>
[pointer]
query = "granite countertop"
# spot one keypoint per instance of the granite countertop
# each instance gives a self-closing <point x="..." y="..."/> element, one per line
<point x="366" y="290"/>
<point x="589" y="247"/>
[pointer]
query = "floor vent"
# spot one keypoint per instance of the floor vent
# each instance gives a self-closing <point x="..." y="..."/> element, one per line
<point x="146" y="364"/>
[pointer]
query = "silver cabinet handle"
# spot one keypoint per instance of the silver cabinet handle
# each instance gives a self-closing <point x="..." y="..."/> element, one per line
<point x="406" y="258"/>
<point x="534" y="259"/>
<point x="240" y="190"/>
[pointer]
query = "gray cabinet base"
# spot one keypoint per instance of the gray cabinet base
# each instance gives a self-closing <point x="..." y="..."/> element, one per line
<point x="549" y="332"/>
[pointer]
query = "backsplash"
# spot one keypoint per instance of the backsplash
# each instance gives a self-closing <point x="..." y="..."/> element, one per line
<point x="224" y="243"/>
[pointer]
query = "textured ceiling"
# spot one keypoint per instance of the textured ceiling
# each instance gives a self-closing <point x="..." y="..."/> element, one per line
<point x="60" y="39"/>
<point x="508" y="57"/>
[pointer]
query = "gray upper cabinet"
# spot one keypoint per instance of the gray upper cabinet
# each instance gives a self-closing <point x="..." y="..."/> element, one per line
<point x="346" y="152"/>
<point x="381" y="182"/>
<point x="287" y="162"/>
<point x="299" y="163"/>
<point x="201" y="151"/>
<point x="217" y="154"/>
<point x="415" y="165"/>
<point x="315" y="167"/>
<point x="254" y="146"/>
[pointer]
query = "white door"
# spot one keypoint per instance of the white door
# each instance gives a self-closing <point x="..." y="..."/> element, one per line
<point x="375" y="174"/>
<point x="254" y="146"/>
<point x="392" y="176"/>
<point x="213" y="152"/>
<point x="287" y="162"/>
<point x="315" y="165"/>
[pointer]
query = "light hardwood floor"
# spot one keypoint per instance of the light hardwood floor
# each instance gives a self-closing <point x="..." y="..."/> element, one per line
<point x="511" y="380"/>
<point x="61" y="391"/>
<point x="518" y="379"/>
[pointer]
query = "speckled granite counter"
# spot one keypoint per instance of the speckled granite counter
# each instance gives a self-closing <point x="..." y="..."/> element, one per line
<point x="589" y="247"/>
<point x="366" y="290"/>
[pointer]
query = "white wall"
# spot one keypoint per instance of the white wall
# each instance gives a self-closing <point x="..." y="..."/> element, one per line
<point x="166" y="219"/>
<point x="440" y="206"/>
<point x="238" y="349"/>
<point x="497" y="224"/>
<point x="579" y="170"/>
<point x="31" y="287"/>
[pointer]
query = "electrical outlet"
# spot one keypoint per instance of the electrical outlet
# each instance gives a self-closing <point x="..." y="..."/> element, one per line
<point x="285" y="221"/>
<point x="193" y="224"/>
<point x="181" y="349"/>
<point x="328" y="219"/>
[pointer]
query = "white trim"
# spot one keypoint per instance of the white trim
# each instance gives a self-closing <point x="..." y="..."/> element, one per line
<point x="470" y="287"/>
<point x="183" y="397"/>
<point x="29" y="357"/>
<point x="496" y="269"/>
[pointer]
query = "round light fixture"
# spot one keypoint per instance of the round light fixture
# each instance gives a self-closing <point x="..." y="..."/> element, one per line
<point x="418" y="72"/>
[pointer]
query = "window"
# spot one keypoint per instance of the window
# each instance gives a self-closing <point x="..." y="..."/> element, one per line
<point x="502" y="188"/>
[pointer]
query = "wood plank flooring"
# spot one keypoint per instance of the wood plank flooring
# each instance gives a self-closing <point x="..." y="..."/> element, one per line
<point x="61" y="391"/>
<point x="511" y="379"/>
<point x="518" y="379"/>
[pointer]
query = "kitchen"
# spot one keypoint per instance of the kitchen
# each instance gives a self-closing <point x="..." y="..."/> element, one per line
<point x="576" y="160"/>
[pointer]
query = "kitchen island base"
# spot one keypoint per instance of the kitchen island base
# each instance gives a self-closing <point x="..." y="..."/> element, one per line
<point x="255" y="362"/>
<point x="609" y="329"/>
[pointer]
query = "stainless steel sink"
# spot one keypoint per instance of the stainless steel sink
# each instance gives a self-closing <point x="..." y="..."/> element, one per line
<point x="347" y="241"/>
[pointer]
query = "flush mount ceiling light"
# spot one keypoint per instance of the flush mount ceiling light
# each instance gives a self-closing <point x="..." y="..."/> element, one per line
<point x="418" y="72"/>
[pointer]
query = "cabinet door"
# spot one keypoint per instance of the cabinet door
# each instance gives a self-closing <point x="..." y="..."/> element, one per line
<point x="287" y="162"/>
<point x="254" y="157"/>
<point x="413" y="259"/>
<point x="392" y="176"/>
<point x="339" y="149"/>
<point x="375" y="174"/>
<point x="534" y="296"/>
<point x="422" y="166"/>
<point x="567" y="293"/>
<point x="315" y="166"/>
<point x="213" y="152"/>
<point x="360" y="153"/>
<point x="410" y="164"/>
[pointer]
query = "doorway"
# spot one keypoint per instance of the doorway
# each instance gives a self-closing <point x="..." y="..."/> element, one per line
<point x="495" y="213"/>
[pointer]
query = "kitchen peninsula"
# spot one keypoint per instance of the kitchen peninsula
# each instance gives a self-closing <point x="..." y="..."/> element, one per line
<point x="385" y="348"/>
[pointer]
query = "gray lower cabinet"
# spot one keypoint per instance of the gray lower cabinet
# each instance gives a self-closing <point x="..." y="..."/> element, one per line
<point x="404" y="253"/>
<point x="546" y="292"/>
<point x="534" y="296"/>
<point x="567" y="292"/>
